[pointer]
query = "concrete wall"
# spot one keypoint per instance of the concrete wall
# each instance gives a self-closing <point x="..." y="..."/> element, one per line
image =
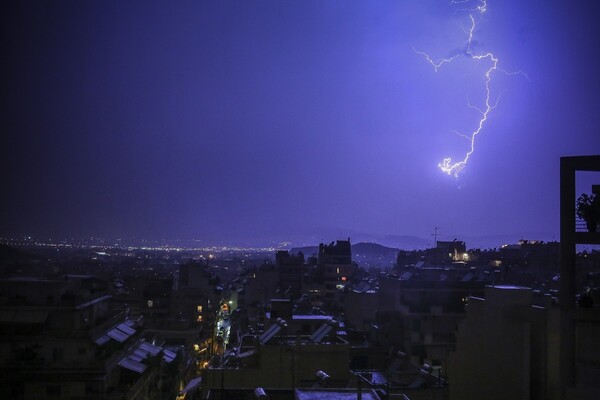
<point x="505" y="348"/>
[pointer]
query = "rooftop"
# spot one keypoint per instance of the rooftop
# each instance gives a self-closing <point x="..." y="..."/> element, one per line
<point x="334" y="394"/>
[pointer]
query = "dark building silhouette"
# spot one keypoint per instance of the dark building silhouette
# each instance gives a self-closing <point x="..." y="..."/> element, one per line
<point x="579" y="326"/>
<point x="506" y="347"/>
<point x="291" y="270"/>
<point x="419" y="310"/>
<point x="446" y="252"/>
<point x="335" y="262"/>
<point x="64" y="338"/>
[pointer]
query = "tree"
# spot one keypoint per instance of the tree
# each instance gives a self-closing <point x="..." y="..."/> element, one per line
<point x="588" y="209"/>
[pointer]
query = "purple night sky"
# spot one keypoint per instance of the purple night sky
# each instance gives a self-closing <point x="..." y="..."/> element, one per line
<point x="261" y="119"/>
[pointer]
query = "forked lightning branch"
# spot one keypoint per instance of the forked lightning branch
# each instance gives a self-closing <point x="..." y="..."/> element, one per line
<point x="448" y="165"/>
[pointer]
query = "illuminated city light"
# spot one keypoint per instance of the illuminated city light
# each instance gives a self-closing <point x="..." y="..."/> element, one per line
<point x="447" y="165"/>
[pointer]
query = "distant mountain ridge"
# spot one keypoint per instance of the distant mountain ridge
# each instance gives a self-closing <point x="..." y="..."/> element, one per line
<point x="408" y="242"/>
<point x="375" y="254"/>
<point x="364" y="254"/>
<point x="373" y="248"/>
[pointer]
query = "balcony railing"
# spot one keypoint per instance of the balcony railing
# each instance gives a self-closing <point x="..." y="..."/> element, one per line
<point x="583" y="235"/>
<point x="581" y="226"/>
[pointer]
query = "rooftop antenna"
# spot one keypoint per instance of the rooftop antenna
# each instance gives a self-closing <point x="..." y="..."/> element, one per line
<point x="435" y="235"/>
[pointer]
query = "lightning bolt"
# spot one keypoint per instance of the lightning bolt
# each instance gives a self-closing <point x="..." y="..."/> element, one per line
<point x="447" y="165"/>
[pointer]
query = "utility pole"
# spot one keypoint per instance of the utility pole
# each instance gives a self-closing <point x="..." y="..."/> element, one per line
<point x="435" y="235"/>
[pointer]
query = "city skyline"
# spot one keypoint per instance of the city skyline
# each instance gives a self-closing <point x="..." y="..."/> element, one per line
<point x="246" y="119"/>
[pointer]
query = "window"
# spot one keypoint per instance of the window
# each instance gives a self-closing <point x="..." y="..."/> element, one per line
<point x="58" y="354"/>
<point x="199" y="308"/>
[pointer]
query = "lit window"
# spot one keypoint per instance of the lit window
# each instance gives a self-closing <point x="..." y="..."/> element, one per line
<point x="199" y="319"/>
<point x="338" y="270"/>
<point x="343" y="278"/>
<point x="199" y="309"/>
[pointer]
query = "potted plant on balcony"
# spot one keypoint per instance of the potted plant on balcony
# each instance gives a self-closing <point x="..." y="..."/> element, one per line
<point x="588" y="209"/>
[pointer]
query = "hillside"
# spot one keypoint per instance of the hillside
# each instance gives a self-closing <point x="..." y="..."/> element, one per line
<point x="364" y="254"/>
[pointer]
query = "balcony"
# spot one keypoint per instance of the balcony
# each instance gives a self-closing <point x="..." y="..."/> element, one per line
<point x="583" y="236"/>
